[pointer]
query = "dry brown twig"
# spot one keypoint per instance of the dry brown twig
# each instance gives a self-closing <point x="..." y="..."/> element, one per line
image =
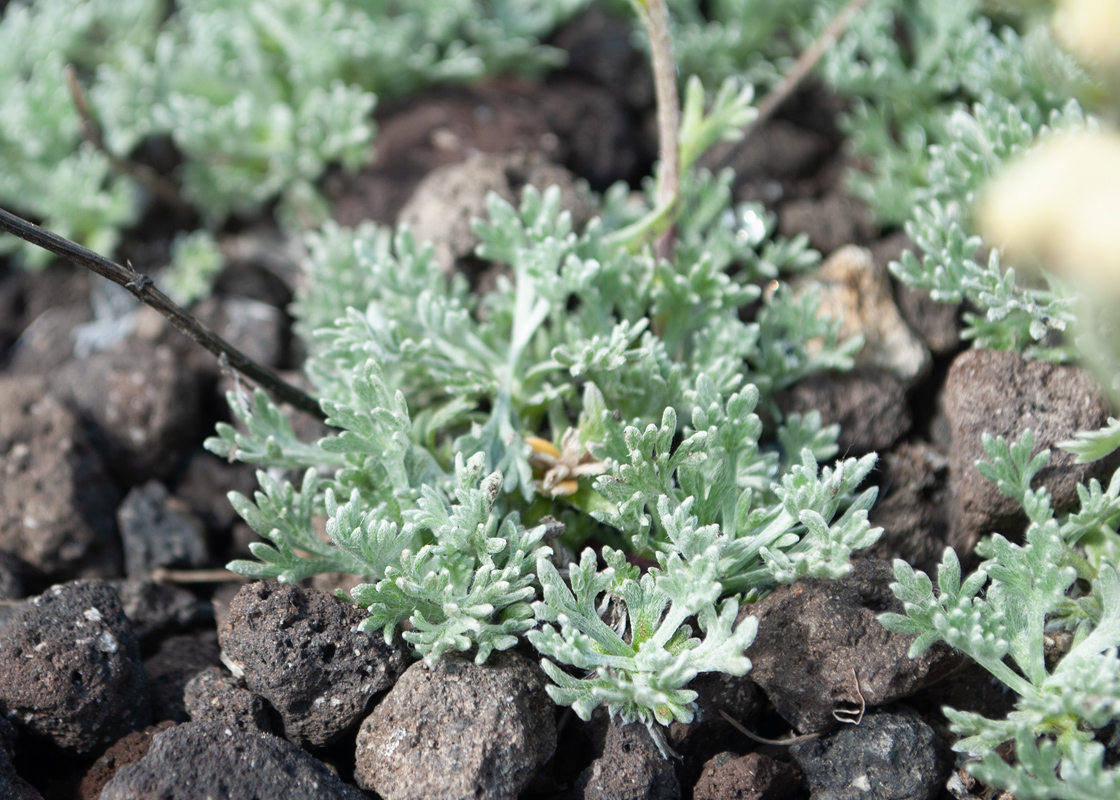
<point x="722" y="157"/>
<point x="158" y="185"/>
<point x="145" y="290"/>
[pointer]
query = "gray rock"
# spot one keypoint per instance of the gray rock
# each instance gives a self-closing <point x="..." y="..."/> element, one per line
<point x="1003" y="394"/>
<point x="157" y="531"/>
<point x="301" y="651"/>
<point x="141" y="405"/>
<point x="449" y="198"/>
<point x="56" y="502"/>
<point x="12" y="786"/>
<point x="458" y="731"/>
<point x="257" y="329"/>
<point x="210" y="759"/>
<point x="214" y="695"/>
<point x="870" y="407"/>
<point x="888" y="756"/>
<point x="857" y="291"/>
<point x="630" y="768"/>
<point x="170" y="668"/>
<point x="70" y="668"/>
<point x="157" y="608"/>
<point x="750" y="777"/>
<point x="817" y="637"/>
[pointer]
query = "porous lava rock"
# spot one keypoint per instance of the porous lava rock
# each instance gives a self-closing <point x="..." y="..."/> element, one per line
<point x="868" y="405"/>
<point x="56" y="501"/>
<point x="914" y="507"/>
<point x="300" y="650"/>
<point x="211" y="759"/>
<point x="890" y="755"/>
<point x="631" y="767"/>
<point x="128" y="750"/>
<point x="446" y="202"/>
<point x="158" y="531"/>
<point x="458" y="731"/>
<point x="216" y="696"/>
<point x="155" y="609"/>
<point x="817" y="638"/>
<point x="172" y="666"/>
<point x="140" y="405"/>
<point x="70" y="668"/>
<point x="709" y="732"/>
<point x="750" y="777"/>
<point x="1003" y="394"/>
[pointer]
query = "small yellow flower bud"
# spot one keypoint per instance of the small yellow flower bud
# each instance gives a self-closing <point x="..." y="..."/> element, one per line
<point x="540" y="445"/>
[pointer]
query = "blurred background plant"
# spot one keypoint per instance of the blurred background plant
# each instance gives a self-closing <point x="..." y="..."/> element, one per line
<point x="257" y="96"/>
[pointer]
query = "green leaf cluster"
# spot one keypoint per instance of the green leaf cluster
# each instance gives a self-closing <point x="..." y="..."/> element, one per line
<point x="479" y="440"/>
<point x="257" y="96"/>
<point x="1062" y="581"/>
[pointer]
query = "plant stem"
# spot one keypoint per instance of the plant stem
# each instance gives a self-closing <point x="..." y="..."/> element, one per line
<point x="655" y="16"/>
<point x="142" y="287"/>
<point x="792" y="79"/>
<point x="158" y="185"/>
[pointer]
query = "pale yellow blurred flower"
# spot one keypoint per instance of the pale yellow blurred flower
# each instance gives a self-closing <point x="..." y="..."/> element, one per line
<point x="1090" y="29"/>
<point x="1059" y="206"/>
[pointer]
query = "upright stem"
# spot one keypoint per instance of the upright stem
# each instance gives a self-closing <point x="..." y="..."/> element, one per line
<point x="655" y="16"/>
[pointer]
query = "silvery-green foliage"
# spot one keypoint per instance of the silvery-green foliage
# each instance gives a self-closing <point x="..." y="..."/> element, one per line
<point x="195" y="262"/>
<point x="469" y="587"/>
<point x="911" y="65"/>
<point x="439" y="400"/>
<point x="979" y="142"/>
<point x="1063" y="578"/>
<point x="259" y="96"/>
<point x="753" y="40"/>
<point x="720" y="527"/>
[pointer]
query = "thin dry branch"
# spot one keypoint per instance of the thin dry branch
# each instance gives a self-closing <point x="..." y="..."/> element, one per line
<point x="142" y="287"/>
<point x="722" y="157"/>
<point x="158" y="185"/>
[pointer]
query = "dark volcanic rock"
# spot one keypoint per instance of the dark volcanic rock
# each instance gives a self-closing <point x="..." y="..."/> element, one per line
<point x="12" y="786"/>
<point x="1003" y="394"/>
<point x="888" y="756"/>
<point x="141" y="404"/>
<point x="56" y="502"/>
<point x="210" y="759"/>
<point x="831" y="221"/>
<point x="935" y="322"/>
<point x="750" y="777"/>
<point x="914" y="506"/>
<point x="630" y="768"/>
<point x="158" y="532"/>
<point x="817" y="637"/>
<point x="70" y="668"/>
<point x="869" y="405"/>
<point x="709" y="732"/>
<point x="177" y="661"/>
<point x="458" y="730"/>
<point x="300" y="649"/>
<point x="127" y="751"/>
<point x="156" y="608"/>
<point x="216" y="696"/>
